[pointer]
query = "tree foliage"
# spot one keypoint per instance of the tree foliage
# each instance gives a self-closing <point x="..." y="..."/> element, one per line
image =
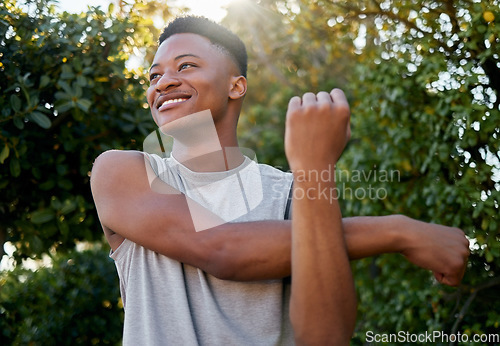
<point x="286" y="58"/>
<point x="75" y="301"/>
<point x="66" y="96"/>
<point x="428" y="107"/>
<point x="423" y="79"/>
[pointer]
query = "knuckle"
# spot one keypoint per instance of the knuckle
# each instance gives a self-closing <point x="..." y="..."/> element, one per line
<point x="466" y="253"/>
<point x="311" y="109"/>
<point x="457" y="264"/>
<point x="342" y="109"/>
<point x="324" y="107"/>
<point x="291" y="117"/>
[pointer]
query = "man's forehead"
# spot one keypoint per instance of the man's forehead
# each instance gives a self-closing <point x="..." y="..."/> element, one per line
<point x="183" y="44"/>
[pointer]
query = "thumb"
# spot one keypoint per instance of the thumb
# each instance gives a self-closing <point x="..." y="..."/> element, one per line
<point x="439" y="277"/>
<point x="446" y="279"/>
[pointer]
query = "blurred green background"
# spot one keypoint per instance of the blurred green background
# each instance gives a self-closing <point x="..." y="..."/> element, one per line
<point x="423" y="79"/>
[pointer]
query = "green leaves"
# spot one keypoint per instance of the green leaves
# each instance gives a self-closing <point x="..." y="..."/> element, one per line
<point x="64" y="86"/>
<point x="15" y="103"/>
<point x="436" y="120"/>
<point x="41" y="119"/>
<point x="64" y="89"/>
<point x="84" y="104"/>
<point x="422" y="91"/>
<point x="39" y="306"/>
<point x="15" y="167"/>
<point x="42" y="216"/>
<point x="4" y="154"/>
<point x="44" y="81"/>
<point x="71" y="97"/>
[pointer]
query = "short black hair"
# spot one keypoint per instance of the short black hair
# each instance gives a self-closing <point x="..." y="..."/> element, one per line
<point x="218" y="35"/>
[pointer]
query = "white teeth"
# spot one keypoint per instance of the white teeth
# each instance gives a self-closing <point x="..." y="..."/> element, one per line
<point x="172" y="101"/>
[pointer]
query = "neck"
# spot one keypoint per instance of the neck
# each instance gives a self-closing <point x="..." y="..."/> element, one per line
<point x="198" y="145"/>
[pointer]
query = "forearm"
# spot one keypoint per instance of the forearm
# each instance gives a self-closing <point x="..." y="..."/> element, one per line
<point x="262" y="250"/>
<point x="323" y="303"/>
<point x="368" y="236"/>
<point x="248" y="251"/>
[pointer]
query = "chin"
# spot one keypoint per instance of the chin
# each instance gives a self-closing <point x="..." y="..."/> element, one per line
<point x="167" y="117"/>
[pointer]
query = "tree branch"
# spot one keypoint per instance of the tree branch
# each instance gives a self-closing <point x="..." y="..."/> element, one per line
<point x="474" y="291"/>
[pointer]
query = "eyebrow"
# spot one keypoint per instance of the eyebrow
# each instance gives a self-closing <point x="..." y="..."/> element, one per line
<point x="185" y="55"/>
<point x="177" y="58"/>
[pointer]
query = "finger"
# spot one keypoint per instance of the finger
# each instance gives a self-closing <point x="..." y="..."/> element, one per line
<point x="339" y="97"/>
<point x="309" y="99"/>
<point x="448" y="279"/>
<point x="340" y="103"/>
<point x="439" y="277"/>
<point x="324" y="98"/>
<point x="294" y="103"/>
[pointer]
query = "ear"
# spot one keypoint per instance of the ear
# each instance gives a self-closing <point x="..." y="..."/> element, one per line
<point x="238" y="87"/>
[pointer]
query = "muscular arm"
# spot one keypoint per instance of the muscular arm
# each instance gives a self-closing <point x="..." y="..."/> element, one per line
<point x="323" y="302"/>
<point x="160" y="220"/>
<point x="323" y="299"/>
<point x="129" y="208"/>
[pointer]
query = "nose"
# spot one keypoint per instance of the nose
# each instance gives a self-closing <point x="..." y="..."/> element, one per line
<point x="167" y="80"/>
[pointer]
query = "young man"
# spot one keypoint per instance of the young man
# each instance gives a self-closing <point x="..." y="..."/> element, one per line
<point x="199" y="239"/>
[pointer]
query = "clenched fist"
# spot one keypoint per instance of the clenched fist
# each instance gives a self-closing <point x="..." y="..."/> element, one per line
<point x="317" y="129"/>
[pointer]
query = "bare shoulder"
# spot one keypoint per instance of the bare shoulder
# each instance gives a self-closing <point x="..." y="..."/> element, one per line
<point x="114" y="168"/>
<point x="132" y="202"/>
<point x="126" y="172"/>
<point x="118" y="178"/>
<point x="117" y="161"/>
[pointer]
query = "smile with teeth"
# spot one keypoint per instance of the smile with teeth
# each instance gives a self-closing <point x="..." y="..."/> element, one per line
<point x="173" y="101"/>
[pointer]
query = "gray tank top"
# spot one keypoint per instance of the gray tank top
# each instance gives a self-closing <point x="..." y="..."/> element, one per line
<point x="170" y="303"/>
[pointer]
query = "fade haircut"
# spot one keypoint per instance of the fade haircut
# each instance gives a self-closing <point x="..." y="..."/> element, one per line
<point x="221" y="37"/>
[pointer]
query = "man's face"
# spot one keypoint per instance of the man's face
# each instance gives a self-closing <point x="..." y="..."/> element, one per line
<point x="188" y="75"/>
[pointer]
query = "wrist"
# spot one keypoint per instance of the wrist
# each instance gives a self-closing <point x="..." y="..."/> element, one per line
<point x="317" y="172"/>
<point x="403" y="233"/>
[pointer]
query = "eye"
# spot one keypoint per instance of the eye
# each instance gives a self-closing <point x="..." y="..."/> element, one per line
<point x="185" y="66"/>
<point x="153" y="76"/>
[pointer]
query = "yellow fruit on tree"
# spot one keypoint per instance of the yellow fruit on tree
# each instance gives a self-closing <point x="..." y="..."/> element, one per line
<point x="488" y="16"/>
